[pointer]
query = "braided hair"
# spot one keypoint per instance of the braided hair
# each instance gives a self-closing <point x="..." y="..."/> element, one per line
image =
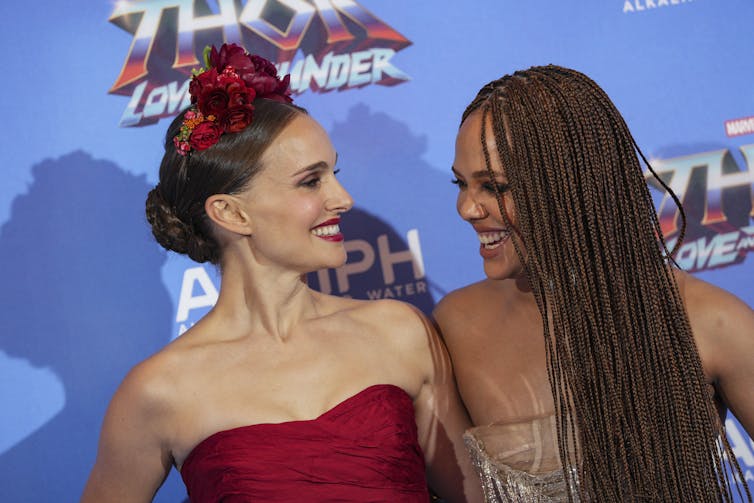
<point x="634" y="415"/>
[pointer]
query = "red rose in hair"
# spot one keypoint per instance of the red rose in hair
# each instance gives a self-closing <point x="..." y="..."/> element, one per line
<point x="205" y="135"/>
<point x="230" y="55"/>
<point x="283" y="92"/>
<point x="201" y="82"/>
<point x="239" y="94"/>
<point x="237" y="118"/>
<point x="213" y="101"/>
<point x="266" y="82"/>
<point x="223" y="94"/>
<point x="264" y="65"/>
<point x="263" y="84"/>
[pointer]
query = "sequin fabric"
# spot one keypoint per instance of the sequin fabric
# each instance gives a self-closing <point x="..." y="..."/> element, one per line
<point x="518" y="463"/>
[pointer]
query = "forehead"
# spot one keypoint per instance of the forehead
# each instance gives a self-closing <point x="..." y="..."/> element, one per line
<point x="469" y="157"/>
<point x="301" y="143"/>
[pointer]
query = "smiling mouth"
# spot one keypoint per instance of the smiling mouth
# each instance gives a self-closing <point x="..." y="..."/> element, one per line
<point x="329" y="230"/>
<point x="326" y="230"/>
<point x="491" y="240"/>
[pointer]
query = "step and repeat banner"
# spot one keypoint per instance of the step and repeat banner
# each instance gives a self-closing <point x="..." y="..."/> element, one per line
<point x="90" y="86"/>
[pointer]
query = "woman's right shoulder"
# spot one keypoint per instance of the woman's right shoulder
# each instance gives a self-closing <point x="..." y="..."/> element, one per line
<point x="150" y="386"/>
<point x="158" y="384"/>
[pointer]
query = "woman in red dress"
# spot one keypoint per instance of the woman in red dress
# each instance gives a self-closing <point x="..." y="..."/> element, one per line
<point x="280" y="393"/>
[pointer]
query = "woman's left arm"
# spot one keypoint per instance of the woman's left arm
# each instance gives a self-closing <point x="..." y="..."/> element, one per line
<point x="723" y="328"/>
<point x="441" y="420"/>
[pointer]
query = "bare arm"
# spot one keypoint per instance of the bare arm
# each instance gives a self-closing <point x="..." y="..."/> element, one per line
<point x="132" y="462"/>
<point x="723" y="328"/>
<point x="441" y="420"/>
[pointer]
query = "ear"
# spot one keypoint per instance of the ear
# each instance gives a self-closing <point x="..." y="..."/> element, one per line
<point x="227" y="212"/>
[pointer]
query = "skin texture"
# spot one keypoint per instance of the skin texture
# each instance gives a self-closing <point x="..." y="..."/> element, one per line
<point x="297" y="352"/>
<point x="493" y="329"/>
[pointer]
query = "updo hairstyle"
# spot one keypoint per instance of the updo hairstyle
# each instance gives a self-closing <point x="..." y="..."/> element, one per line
<point x="175" y="206"/>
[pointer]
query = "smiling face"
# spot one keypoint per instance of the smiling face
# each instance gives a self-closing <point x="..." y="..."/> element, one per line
<point x="477" y="203"/>
<point x="295" y="201"/>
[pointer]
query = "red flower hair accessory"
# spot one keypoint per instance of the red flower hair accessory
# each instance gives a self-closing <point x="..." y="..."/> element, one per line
<point x="222" y="95"/>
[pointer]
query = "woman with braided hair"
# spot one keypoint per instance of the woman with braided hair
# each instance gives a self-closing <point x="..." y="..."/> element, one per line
<point x="591" y="368"/>
<point x="280" y="393"/>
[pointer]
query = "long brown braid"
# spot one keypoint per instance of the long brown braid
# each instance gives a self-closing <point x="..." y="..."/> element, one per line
<point x="634" y="415"/>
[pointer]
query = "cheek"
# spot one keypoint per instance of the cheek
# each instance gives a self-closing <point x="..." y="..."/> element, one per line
<point x="311" y="207"/>
<point x="304" y="210"/>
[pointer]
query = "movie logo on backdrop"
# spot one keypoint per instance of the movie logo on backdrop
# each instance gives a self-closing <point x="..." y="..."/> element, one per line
<point x="739" y="127"/>
<point x="718" y="197"/>
<point x="324" y="45"/>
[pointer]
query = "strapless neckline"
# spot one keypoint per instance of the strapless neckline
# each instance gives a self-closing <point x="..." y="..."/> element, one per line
<point x="341" y="407"/>
<point x="364" y="448"/>
<point x="520" y="461"/>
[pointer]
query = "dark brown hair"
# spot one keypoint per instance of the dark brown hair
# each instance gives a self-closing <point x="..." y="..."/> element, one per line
<point x="175" y="207"/>
<point x="634" y="416"/>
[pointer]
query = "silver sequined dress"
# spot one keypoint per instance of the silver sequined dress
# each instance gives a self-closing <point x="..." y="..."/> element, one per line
<point x="519" y="462"/>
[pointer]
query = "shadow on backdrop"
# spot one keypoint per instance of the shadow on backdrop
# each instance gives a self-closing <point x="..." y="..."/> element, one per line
<point x="87" y="304"/>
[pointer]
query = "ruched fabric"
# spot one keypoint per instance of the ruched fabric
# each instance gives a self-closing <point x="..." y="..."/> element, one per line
<point x="364" y="449"/>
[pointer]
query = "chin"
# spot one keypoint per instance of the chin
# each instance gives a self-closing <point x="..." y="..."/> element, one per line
<point x="335" y="261"/>
<point x="494" y="270"/>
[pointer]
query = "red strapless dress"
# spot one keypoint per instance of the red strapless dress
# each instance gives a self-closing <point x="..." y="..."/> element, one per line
<point x="364" y="449"/>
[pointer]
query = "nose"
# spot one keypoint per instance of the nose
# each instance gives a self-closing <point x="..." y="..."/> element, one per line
<point x="469" y="208"/>
<point x="339" y="200"/>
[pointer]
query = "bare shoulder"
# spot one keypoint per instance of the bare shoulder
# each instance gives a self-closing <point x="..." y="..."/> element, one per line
<point x="389" y="317"/>
<point x="154" y="387"/>
<point x="148" y="389"/>
<point x="722" y="323"/>
<point x="395" y="332"/>
<point x="465" y="294"/>
<point x="133" y="456"/>
<point x="710" y="308"/>
<point x="457" y="310"/>
<point x="458" y="301"/>
<point x="399" y="326"/>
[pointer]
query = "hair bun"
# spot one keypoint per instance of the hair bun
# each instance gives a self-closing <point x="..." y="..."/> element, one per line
<point x="173" y="233"/>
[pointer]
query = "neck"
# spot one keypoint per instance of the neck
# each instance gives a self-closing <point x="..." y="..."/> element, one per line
<point x="267" y="300"/>
<point x="522" y="283"/>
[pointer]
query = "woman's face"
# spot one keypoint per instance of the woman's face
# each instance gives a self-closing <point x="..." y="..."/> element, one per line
<point x="295" y="201"/>
<point x="476" y="199"/>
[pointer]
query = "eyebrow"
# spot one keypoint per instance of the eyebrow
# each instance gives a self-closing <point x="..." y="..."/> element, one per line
<point x="482" y="173"/>
<point x="319" y="165"/>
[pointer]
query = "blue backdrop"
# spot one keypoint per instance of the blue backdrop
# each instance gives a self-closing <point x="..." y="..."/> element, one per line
<point x="87" y="293"/>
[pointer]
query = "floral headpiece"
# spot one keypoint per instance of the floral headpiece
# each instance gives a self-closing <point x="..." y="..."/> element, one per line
<point x="222" y="95"/>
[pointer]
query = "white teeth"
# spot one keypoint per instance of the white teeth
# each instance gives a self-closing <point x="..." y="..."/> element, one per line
<point x="327" y="230"/>
<point x="492" y="240"/>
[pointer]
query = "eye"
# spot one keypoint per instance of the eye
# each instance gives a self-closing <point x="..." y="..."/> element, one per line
<point x="311" y="181"/>
<point x="461" y="184"/>
<point x="336" y="171"/>
<point x="501" y="187"/>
